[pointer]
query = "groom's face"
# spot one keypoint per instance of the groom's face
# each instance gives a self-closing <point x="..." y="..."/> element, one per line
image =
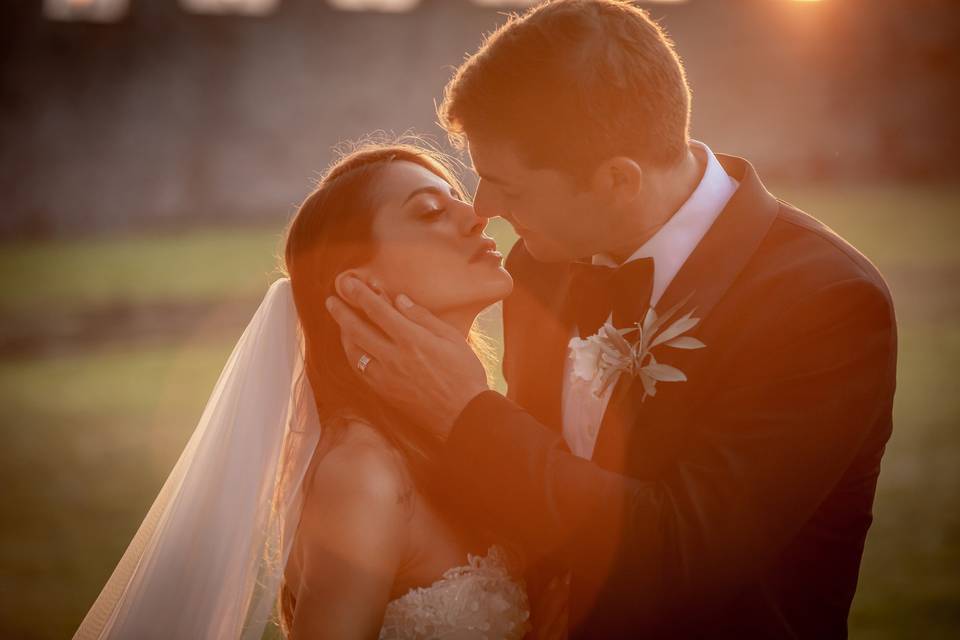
<point x="557" y="221"/>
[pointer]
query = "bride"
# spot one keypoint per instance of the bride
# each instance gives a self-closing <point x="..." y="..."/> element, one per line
<point x="300" y="491"/>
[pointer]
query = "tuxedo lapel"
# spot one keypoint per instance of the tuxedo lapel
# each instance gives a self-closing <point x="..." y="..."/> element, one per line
<point x="712" y="267"/>
<point x="728" y="245"/>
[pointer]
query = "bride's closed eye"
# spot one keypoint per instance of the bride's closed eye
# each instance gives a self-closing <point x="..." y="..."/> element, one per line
<point x="432" y="214"/>
<point x="435" y="211"/>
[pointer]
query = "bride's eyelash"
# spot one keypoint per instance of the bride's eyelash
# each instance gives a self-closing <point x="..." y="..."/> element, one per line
<point x="432" y="214"/>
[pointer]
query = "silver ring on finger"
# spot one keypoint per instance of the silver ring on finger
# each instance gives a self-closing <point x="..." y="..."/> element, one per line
<point x="363" y="362"/>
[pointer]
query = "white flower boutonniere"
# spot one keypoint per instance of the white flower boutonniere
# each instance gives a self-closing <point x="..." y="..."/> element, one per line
<point x="603" y="357"/>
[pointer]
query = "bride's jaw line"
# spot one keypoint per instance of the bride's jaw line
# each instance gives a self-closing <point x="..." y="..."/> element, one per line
<point x="462" y="318"/>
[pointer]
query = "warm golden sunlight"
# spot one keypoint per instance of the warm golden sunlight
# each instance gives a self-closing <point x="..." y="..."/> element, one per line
<point x="404" y="319"/>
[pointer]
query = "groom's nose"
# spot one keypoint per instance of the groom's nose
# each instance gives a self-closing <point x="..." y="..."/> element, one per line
<point x="483" y="201"/>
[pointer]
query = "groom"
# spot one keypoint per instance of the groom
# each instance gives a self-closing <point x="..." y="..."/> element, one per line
<point x="715" y="477"/>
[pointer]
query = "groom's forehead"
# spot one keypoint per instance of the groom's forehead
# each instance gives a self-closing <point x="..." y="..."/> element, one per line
<point x="504" y="165"/>
<point x="495" y="162"/>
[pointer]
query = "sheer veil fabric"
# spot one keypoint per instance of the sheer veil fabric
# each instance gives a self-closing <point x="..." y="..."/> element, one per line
<point x="208" y="559"/>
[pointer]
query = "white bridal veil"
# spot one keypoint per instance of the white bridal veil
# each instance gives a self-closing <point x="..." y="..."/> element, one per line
<point x="208" y="559"/>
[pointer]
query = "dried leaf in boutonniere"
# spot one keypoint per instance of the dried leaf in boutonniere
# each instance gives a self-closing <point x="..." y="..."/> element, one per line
<point x="603" y="357"/>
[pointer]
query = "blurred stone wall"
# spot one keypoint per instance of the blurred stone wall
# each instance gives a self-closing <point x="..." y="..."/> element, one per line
<point x="168" y="118"/>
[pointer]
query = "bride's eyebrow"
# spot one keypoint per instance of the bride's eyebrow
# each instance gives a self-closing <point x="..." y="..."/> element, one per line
<point x="434" y="190"/>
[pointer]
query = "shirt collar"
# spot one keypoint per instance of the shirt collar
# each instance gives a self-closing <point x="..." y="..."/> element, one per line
<point x="678" y="237"/>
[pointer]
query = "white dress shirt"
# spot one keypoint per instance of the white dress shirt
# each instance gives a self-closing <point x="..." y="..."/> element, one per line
<point x="669" y="247"/>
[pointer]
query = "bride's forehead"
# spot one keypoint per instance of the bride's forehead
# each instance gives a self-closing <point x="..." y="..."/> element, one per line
<point x="401" y="177"/>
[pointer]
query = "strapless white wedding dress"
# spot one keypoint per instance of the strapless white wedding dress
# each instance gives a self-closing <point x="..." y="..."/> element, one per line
<point x="478" y="600"/>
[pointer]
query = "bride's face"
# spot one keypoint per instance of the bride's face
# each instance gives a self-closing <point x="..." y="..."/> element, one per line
<point x="430" y="244"/>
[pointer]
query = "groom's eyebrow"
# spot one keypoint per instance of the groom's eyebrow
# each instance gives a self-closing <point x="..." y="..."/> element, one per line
<point x="493" y="179"/>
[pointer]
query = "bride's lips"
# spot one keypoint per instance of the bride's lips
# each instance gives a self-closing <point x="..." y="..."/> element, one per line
<point x="486" y="251"/>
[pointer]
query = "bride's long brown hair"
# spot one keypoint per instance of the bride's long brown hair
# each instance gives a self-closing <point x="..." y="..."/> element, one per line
<point x="331" y="232"/>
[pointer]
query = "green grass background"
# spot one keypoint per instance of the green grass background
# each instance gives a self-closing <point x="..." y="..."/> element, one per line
<point x="89" y="434"/>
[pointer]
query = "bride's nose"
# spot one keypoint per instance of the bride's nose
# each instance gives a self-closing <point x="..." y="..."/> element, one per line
<point x="469" y="223"/>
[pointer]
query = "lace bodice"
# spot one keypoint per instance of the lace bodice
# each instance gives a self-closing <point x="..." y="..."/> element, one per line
<point x="478" y="600"/>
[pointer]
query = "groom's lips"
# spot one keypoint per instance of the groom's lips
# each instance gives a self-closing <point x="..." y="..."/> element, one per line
<point x="487" y="249"/>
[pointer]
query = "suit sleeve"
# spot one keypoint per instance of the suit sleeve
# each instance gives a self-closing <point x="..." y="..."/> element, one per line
<point x="777" y="436"/>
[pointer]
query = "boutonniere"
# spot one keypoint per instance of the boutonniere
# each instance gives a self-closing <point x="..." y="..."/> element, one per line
<point x="603" y="357"/>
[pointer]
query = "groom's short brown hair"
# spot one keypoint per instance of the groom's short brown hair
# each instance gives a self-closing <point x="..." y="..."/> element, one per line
<point x="571" y="83"/>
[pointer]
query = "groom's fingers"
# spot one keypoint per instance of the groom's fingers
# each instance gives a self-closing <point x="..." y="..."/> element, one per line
<point x="425" y="319"/>
<point x="356" y="333"/>
<point x="380" y="311"/>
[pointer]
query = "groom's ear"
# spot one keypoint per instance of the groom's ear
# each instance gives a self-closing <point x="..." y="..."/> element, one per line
<point x="618" y="179"/>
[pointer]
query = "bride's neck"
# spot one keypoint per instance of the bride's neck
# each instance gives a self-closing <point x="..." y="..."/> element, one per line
<point x="460" y="319"/>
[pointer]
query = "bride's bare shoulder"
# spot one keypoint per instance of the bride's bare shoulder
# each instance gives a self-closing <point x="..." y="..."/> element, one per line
<point x="354" y="529"/>
<point x="363" y="470"/>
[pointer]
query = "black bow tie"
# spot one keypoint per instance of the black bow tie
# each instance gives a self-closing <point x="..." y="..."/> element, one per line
<point x="596" y="290"/>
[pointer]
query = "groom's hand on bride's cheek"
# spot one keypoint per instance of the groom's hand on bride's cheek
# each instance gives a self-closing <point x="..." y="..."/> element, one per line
<point x="418" y="363"/>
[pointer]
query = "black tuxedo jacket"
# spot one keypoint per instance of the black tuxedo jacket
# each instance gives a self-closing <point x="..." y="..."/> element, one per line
<point x="734" y="504"/>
